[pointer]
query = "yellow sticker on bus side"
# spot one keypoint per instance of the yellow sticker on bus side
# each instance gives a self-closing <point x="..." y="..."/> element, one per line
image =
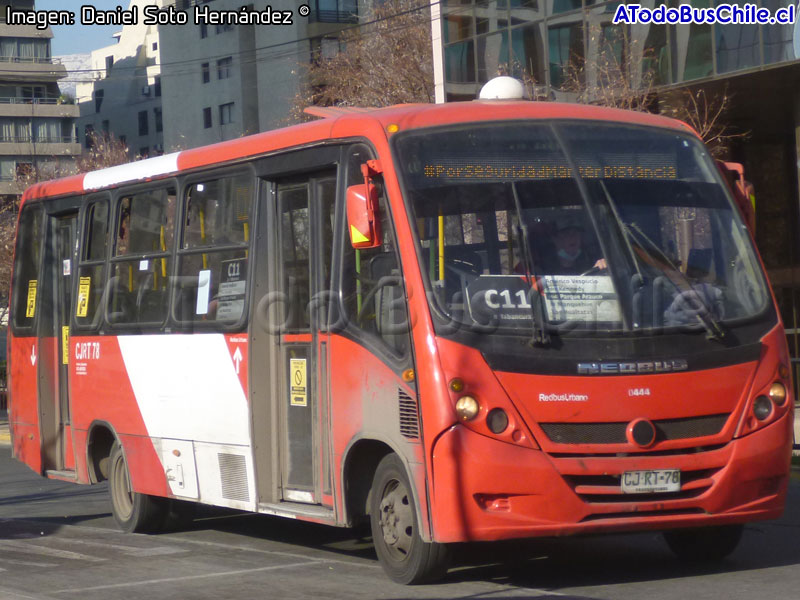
<point x="84" y="287"/>
<point x="65" y="344"/>
<point x="31" y="309"/>
<point x="298" y="395"/>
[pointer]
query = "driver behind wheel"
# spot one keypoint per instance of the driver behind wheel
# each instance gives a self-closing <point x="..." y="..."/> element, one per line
<point x="566" y="255"/>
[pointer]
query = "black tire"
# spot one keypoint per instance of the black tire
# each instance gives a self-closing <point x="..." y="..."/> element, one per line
<point x="133" y="512"/>
<point x="706" y="544"/>
<point x="403" y="554"/>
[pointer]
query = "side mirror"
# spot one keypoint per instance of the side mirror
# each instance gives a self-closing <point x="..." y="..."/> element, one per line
<point x="363" y="221"/>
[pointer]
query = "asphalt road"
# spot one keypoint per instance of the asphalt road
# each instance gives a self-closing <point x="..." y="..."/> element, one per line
<point x="58" y="541"/>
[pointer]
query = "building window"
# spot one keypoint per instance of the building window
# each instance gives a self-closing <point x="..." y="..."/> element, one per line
<point x="226" y="113"/>
<point x="224" y="68"/>
<point x="206" y="72"/>
<point x="106" y="126"/>
<point x="88" y="136"/>
<point x="24" y="169"/>
<point x="155" y="46"/>
<point x="143" y="122"/>
<point x="223" y="28"/>
<point x="207" y="117"/>
<point x="203" y="31"/>
<point x="158" y="119"/>
<point x="109" y="64"/>
<point x="98" y="100"/>
<point x="158" y="86"/>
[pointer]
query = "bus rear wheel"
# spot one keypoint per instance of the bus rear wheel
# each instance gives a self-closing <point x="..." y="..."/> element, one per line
<point x="705" y="544"/>
<point x="133" y="512"/>
<point x="403" y="554"/>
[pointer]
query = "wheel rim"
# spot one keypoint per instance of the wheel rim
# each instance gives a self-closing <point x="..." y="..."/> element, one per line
<point x="121" y="488"/>
<point x="397" y="520"/>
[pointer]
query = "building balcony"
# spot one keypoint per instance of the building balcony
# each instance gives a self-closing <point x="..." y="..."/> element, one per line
<point x="333" y="11"/>
<point x="37" y="107"/>
<point x="9" y="187"/>
<point x="23" y="31"/>
<point x="17" y="68"/>
<point x="24" y="146"/>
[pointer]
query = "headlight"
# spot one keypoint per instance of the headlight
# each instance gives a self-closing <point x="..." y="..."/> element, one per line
<point x="777" y="393"/>
<point x="467" y="408"/>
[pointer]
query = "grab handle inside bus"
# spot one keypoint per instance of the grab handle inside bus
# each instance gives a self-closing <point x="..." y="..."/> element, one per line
<point x="363" y="221"/>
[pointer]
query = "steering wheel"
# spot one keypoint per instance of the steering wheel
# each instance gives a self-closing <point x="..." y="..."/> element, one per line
<point x="594" y="271"/>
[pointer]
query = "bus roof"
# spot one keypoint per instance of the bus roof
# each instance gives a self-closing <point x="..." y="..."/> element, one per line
<point x="339" y="123"/>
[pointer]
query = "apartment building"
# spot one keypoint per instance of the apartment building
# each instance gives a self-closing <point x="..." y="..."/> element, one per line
<point x="37" y="128"/>
<point x="224" y="81"/>
<point x="124" y="97"/>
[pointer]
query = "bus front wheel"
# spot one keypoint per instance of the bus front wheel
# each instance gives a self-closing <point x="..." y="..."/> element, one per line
<point x="705" y="544"/>
<point x="403" y="554"/>
<point x="133" y="512"/>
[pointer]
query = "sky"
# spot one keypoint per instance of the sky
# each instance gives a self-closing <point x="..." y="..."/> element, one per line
<point x="80" y="39"/>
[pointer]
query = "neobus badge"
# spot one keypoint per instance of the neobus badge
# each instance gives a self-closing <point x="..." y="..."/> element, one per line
<point x="626" y="368"/>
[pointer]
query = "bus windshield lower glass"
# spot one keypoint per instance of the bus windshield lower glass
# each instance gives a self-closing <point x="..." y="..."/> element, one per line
<point x="574" y="226"/>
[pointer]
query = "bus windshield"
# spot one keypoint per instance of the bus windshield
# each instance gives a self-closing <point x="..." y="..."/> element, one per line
<point x="572" y="226"/>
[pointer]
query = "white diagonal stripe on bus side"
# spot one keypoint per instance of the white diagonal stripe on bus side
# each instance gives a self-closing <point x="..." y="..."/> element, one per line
<point x="186" y="387"/>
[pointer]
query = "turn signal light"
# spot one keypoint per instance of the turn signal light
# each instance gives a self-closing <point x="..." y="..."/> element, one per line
<point x="467" y="408"/>
<point x="457" y="385"/>
<point x="777" y="393"/>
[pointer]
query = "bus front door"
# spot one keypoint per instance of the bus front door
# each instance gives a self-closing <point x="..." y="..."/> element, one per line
<point x="54" y="332"/>
<point x="305" y="208"/>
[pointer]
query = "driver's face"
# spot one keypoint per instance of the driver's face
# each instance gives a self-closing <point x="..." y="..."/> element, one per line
<point x="569" y="240"/>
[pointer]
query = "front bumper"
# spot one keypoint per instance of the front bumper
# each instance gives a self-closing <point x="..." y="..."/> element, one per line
<point x="484" y="489"/>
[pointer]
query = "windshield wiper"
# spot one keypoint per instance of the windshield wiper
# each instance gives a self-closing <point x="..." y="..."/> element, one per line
<point x="713" y="327"/>
<point x="540" y="335"/>
<point x="626" y="235"/>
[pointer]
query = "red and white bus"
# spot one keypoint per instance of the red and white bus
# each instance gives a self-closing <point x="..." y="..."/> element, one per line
<point x="472" y="321"/>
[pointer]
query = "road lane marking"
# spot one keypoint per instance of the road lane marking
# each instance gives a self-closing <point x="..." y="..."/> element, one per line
<point x="188" y="577"/>
<point x="30" y="548"/>
<point x="360" y="563"/>
<point x="8" y="594"/>
<point x="27" y="563"/>
<point x="130" y="550"/>
<point x="277" y="552"/>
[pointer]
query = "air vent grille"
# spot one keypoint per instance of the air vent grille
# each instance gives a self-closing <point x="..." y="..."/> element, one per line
<point x="409" y="416"/>
<point x="233" y="475"/>
<point x="614" y="433"/>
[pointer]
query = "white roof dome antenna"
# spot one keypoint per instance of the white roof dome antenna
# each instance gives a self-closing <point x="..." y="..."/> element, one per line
<point x="502" y="88"/>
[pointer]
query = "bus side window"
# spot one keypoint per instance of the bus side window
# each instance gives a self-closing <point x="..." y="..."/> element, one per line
<point x="372" y="282"/>
<point x="26" y="266"/>
<point x="91" y="273"/>
<point x="213" y="259"/>
<point x="141" y="264"/>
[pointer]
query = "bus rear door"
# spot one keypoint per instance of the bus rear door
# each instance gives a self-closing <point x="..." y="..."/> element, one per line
<point x="53" y="334"/>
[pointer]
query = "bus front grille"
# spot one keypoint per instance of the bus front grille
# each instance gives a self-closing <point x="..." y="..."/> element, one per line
<point x="614" y="433"/>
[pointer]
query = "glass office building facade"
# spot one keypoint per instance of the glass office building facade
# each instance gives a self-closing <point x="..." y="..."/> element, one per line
<point x="546" y="38"/>
<point x="756" y="67"/>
